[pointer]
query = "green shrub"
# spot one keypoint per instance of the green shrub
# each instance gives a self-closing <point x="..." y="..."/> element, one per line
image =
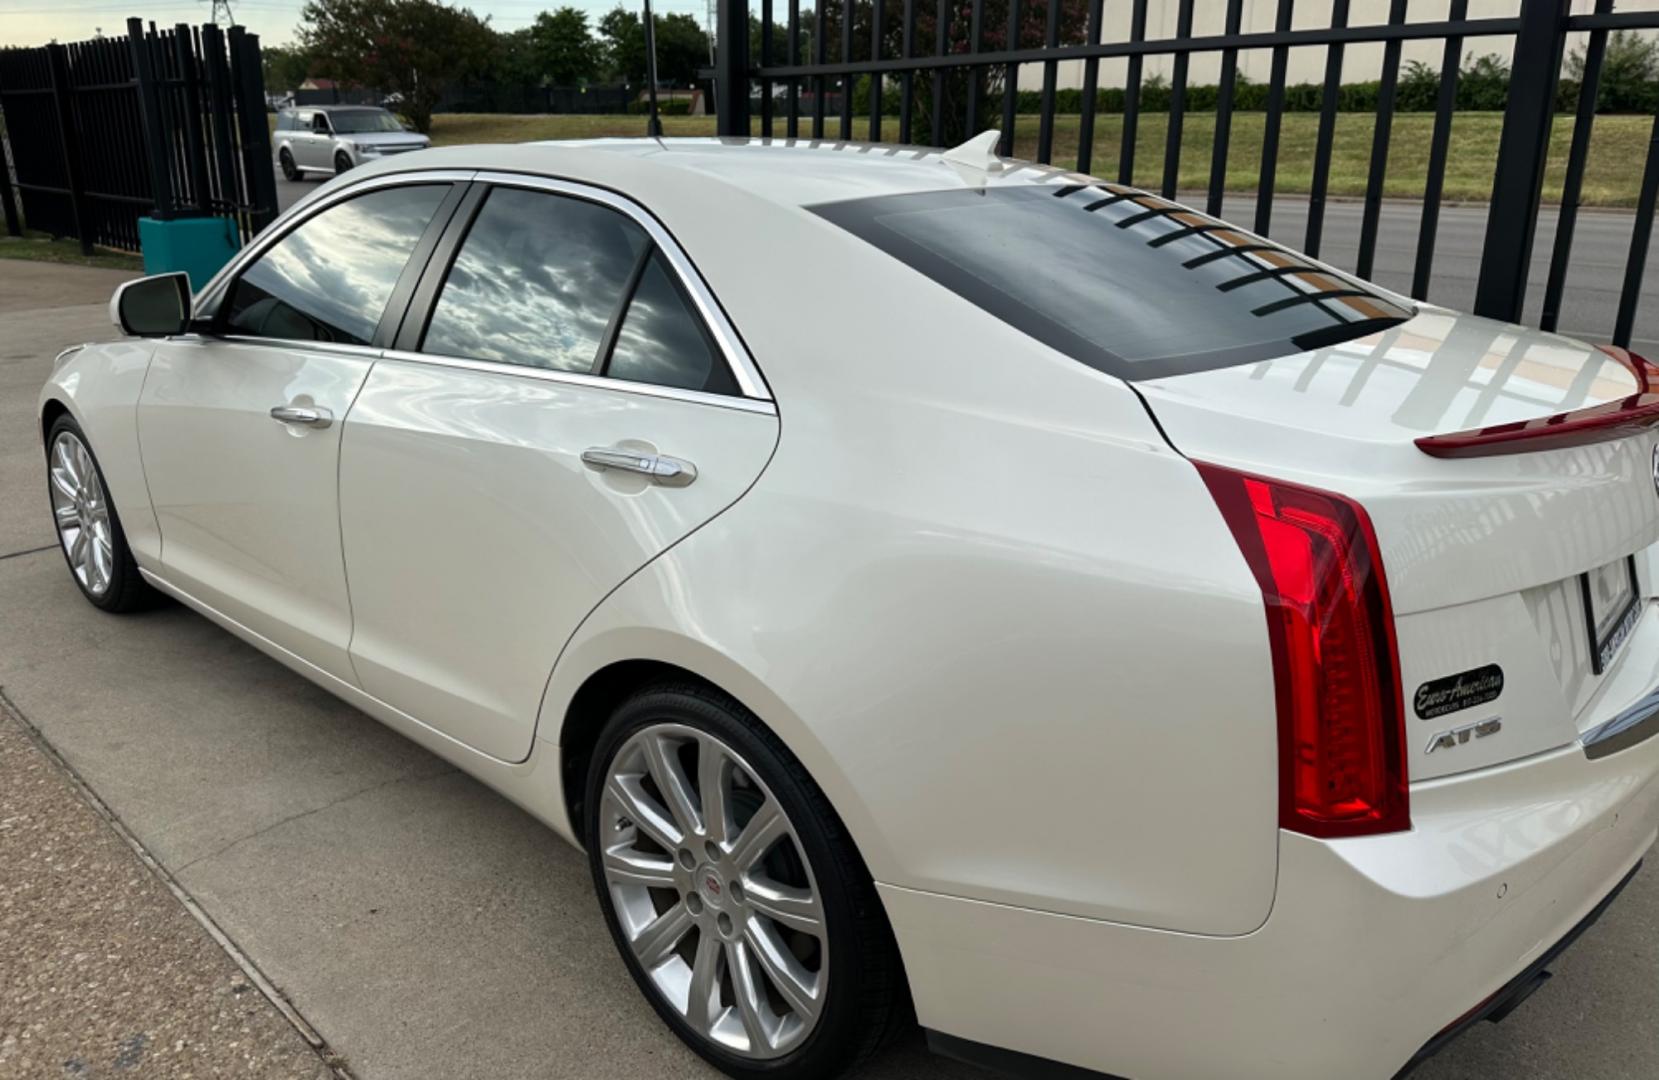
<point x="664" y="108"/>
<point x="1629" y="84"/>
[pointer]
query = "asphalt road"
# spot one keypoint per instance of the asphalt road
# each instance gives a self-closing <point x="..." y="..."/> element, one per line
<point x="1590" y="301"/>
<point x="422" y="924"/>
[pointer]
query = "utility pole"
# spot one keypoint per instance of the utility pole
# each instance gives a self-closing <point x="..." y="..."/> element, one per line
<point x="218" y="5"/>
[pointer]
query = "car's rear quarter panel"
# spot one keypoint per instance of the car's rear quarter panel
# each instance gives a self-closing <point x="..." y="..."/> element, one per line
<point x="998" y="620"/>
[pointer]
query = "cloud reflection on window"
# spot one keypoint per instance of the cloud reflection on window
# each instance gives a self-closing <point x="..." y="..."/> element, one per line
<point x="663" y="342"/>
<point x="329" y="279"/>
<point x="536" y="282"/>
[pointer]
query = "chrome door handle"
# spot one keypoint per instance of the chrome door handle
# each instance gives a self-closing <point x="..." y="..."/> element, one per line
<point x="310" y="416"/>
<point x="660" y="468"/>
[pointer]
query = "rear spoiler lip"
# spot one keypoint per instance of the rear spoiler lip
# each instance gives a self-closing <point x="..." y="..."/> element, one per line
<point x="1580" y="427"/>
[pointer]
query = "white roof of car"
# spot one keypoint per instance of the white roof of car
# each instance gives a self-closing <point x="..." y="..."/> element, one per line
<point x="790" y="172"/>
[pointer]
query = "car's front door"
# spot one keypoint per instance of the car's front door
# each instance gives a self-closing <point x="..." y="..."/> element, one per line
<point x="496" y="472"/>
<point x="301" y="142"/>
<point x="239" y="426"/>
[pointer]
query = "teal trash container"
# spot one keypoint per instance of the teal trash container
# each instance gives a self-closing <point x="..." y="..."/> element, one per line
<point x="197" y="245"/>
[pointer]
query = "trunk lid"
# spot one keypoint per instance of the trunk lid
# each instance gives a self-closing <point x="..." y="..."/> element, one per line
<point x="1488" y="559"/>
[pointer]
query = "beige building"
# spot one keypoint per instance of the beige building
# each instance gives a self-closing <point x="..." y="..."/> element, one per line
<point x="1307" y="63"/>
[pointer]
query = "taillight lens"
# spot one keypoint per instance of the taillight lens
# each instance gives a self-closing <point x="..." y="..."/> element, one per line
<point x="1336" y="668"/>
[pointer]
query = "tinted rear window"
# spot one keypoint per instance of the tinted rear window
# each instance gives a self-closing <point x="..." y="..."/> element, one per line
<point x="1119" y="279"/>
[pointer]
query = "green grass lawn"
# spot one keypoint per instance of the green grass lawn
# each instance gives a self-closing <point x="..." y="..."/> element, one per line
<point x="1618" y="148"/>
<point x="39" y="248"/>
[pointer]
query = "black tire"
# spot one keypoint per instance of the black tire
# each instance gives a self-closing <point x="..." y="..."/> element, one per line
<point x="127" y="590"/>
<point x="289" y="170"/>
<point x="342" y="163"/>
<point x="867" y="1001"/>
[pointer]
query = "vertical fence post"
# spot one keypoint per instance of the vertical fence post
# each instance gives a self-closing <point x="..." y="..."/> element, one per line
<point x="1572" y="185"/>
<point x="14" y="223"/>
<point x="1010" y="84"/>
<point x="731" y="68"/>
<point x="1091" y="90"/>
<point x="1523" y="147"/>
<point x="1327" y="131"/>
<point x="149" y="108"/>
<point x="1439" y="143"/>
<point x="56" y="58"/>
<point x="766" y="59"/>
<point x="1132" y="97"/>
<point x="1371" y="219"/>
<point x="1177" y="103"/>
<point x="848" y="78"/>
<point x="195" y="144"/>
<point x="936" y="113"/>
<point x="878" y="24"/>
<point x="219" y="98"/>
<point x="8" y="197"/>
<point x="1641" y="232"/>
<point x="249" y="78"/>
<point x="1269" y="173"/>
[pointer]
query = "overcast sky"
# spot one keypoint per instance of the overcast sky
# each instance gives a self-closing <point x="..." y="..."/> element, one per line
<point x="35" y="22"/>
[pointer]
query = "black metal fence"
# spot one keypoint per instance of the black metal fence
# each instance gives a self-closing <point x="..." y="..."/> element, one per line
<point x="941" y="69"/>
<point x="162" y="123"/>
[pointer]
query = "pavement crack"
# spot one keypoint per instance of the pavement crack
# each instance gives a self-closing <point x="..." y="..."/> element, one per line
<point x="26" y="551"/>
<point x="349" y="796"/>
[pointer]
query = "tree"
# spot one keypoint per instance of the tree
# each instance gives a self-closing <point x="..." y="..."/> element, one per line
<point x="413" y="49"/>
<point x="1483" y="84"/>
<point x="513" y="59"/>
<point x="563" y="48"/>
<point x="1629" y="73"/>
<point x="682" y="47"/>
<point x="285" y="67"/>
<point x="622" y="36"/>
<point x="1031" y="33"/>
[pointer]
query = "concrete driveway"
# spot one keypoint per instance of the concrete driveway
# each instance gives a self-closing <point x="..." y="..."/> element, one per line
<point x="424" y="926"/>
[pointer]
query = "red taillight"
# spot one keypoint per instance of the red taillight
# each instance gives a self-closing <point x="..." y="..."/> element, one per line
<point x="1336" y="669"/>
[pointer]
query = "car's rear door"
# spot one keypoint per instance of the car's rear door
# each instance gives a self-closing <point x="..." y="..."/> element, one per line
<point x="239" y="425"/>
<point x="319" y="143"/>
<point x="566" y="401"/>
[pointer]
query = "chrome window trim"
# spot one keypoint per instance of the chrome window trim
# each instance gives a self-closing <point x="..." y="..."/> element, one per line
<point x="747" y="376"/>
<point x="310" y="207"/>
<point x="764" y="407"/>
<point x="246" y="341"/>
<point x="757" y="396"/>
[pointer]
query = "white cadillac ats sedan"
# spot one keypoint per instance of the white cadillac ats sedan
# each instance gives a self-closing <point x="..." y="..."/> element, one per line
<point x="924" y="581"/>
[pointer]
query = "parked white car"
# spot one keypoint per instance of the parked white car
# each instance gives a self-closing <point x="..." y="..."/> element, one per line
<point x="329" y="139"/>
<point x="921" y="578"/>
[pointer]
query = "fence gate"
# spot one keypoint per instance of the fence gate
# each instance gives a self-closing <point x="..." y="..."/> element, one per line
<point x="941" y="57"/>
<point x="160" y="123"/>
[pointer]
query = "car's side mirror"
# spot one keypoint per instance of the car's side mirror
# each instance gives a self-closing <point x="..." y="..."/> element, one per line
<point x="156" y="306"/>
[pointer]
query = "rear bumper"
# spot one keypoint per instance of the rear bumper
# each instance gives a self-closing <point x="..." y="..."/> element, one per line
<point x="1521" y="987"/>
<point x="1375" y="948"/>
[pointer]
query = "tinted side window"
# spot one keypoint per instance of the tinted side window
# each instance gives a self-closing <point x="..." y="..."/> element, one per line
<point x="536" y="282"/>
<point x="329" y="279"/>
<point x="663" y="340"/>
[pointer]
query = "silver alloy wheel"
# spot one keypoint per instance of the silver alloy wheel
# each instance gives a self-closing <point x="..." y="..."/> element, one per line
<point x="81" y="510"/>
<point x="713" y="891"/>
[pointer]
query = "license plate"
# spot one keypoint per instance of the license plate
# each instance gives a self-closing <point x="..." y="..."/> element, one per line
<point x="1610" y="608"/>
